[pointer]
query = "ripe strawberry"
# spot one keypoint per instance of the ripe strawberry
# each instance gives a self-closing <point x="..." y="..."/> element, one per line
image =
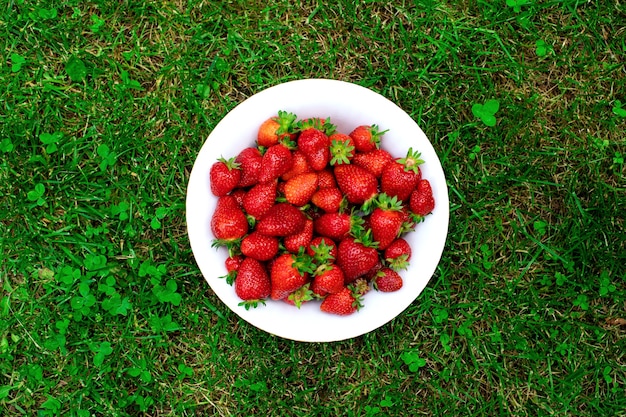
<point x="328" y="279"/>
<point x="400" y="177"/>
<point x="282" y="219"/>
<point x="293" y="243"/>
<point x="276" y="128"/>
<point x="356" y="257"/>
<point x="259" y="247"/>
<point x="252" y="283"/>
<point x="422" y="201"/>
<point x="328" y="199"/>
<point x="326" y="179"/>
<point x="228" y="223"/>
<point x="315" y="145"/>
<point x="358" y="184"/>
<point x="341" y="149"/>
<point x="337" y="226"/>
<point x="366" y="138"/>
<point x="276" y="161"/>
<point x="387" y="280"/>
<point x="232" y="264"/>
<point x="322" y="249"/>
<point x="249" y="161"/>
<point x="259" y="199"/>
<point x="289" y="273"/>
<point x="341" y="303"/>
<point x="300" y="189"/>
<point x="224" y="176"/>
<point x="398" y="254"/>
<point x="300" y="166"/>
<point x="238" y="194"/>
<point x="373" y="161"/>
<point x="299" y="296"/>
<point x="386" y="220"/>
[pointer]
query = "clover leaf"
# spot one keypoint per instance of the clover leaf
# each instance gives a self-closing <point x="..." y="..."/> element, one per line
<point x="486" y="112"/>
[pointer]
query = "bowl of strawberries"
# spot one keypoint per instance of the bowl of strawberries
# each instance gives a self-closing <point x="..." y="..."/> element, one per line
<point x="317" y="210"/>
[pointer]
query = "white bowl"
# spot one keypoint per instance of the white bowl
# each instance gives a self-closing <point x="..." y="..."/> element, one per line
<point x="348" y="105"/>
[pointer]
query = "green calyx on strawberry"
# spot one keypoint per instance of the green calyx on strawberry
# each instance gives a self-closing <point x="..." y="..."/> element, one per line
<point x="412" y="161"/>
<point x="300" y="296"/>
<point x="286" y="122"/>
<point x="316" y="123"/>
<point x="341" y="151"/>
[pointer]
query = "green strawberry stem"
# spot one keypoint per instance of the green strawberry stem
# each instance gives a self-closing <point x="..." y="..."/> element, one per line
<point x="411" y="161"/>
<point x="286" y="122"/>
<point x="340" y="152"/>
<point x="248" y="304"/>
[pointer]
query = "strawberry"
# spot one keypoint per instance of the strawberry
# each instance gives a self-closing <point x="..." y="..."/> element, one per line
<point x="259" y="199"/>
<point x="228" y="223"/>
<point x="358" y="184"/>
<point x="328" y="279"/>
<point x="252" y="283"/>
<point x="422" y="201"/>
<point x="337" y="226"/>
<point x="224" y="176"/>
<point x="293" y="243"/>
<point x="316" y="147"/>
<point x="300" y="189"/>
<point x="398" y="254"/>
<point x="356" y="257"/>
<point x="300" y="166"/>
<point x="282" y="219"/>
<point x="373" y="161"/>
<point x="326" y="179"/>
<point x="386" y="220"/>
<point x="249" y="161"/>
<point x="322" y="249"/>
<point x="260" y="247"/>
<point x="341" y="303"/>
<point x="288" y="273"/>
<point x="328" y="199"/>
<point x="299" y="296"/>
<point x="400" y="177"/>
<point x="341" y="149"/>
<point x="238" y="194"/>
<point x="387" y="280"/>
<point x="366" y="138"/>
<point x="274" y="129"/>
<point x="232" y="264"/>
<point x="276" y="161"/>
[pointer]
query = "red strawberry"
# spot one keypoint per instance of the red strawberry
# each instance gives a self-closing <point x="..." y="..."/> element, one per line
<point x="369" y="275"/>
<point x="260" y="198"/>
<point x="238" y="193"/>
<point x="356" y="257"/>
<point x="366" y="138"/>
<point x="387" y="280"/>
<point x="282" y="219"/>
<point x="328" y="279"/>
<point x="341" y="149"/>
<point x="422" y="200"/>
<point x="341" y="303"/>
<point x="358" y="184"/>
<point x="398" y="254"/>
<point x="326" y="179"/>
<point x="275" y="129"/>
<point x="315" y="145"/>
<point x="252" y="283"/>
<point x="232" y="264"/>
<point x="249" y="161"/>
<point x="336" y="226"/>
<point x="300" y="189"/>
<point x="374" y="161"/>
<point x="322" y="249"/>
<point x="259" y="247"/>
<point x="228" y="223"/>
<point x="224" y="176"/>
<point x="276" y="161"/>
<point x="300" y="166"/>
<point x="288" y="273"/>
<point x="293" y="243"/>
<point x="328" y="199"/>
<point x="400" y="177"/>
<point x="386" y="220"/>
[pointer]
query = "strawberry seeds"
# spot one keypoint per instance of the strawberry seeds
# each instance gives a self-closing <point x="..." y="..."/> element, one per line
<point x="315" y="214"/>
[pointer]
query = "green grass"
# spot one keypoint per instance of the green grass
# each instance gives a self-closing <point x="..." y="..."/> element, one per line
<point x="104" y="108"/>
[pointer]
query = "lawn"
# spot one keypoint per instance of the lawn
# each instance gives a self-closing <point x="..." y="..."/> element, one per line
<point x="104" y="312"/>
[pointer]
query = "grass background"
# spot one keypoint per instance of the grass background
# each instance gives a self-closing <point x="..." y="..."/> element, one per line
<point x="105" y="105"/>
